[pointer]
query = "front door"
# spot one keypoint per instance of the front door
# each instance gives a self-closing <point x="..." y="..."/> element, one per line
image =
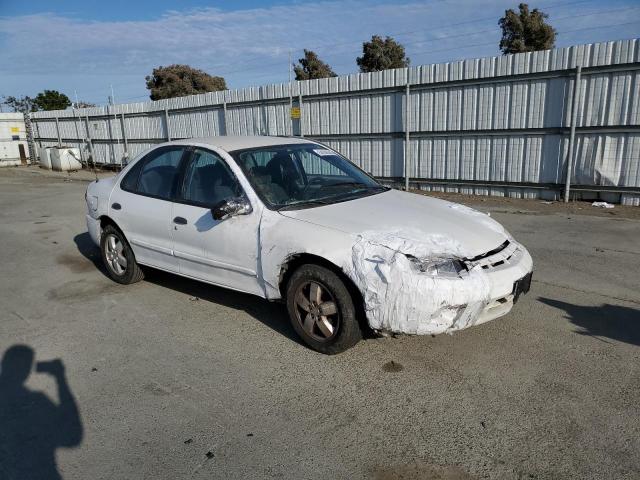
<point x="223" y="252"/>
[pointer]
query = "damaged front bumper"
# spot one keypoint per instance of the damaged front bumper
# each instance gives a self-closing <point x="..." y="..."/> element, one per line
<point x="94" y="229"/>
<point x="401" y="299"/>
<point x="503" y="305"/>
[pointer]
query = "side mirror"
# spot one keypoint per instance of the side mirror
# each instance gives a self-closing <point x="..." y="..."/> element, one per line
<point x="231" y="207"/>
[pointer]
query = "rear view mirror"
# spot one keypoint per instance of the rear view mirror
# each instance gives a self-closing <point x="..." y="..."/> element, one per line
<point x="231" y="207"/>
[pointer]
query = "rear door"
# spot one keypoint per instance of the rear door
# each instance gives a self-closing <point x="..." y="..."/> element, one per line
<point x="223" y="252"/>
<point x="142" y="206"/>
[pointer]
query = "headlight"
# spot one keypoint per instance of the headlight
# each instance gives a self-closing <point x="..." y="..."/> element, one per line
<point x="441" y="267"/>
<point x="92" y="203"/>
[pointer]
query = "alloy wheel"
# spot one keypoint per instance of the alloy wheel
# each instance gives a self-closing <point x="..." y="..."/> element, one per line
<point x="114" y="253"/>
<point x="316" y="311"/>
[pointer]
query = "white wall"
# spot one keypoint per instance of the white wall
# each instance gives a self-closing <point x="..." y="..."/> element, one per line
<point x="11" y="125"/>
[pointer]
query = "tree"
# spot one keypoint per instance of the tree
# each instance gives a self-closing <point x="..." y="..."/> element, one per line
<point x="525" y="31"/>
<point x="311" y="67"/>
<point x="20" y="104"/>
<point x="51" y="100"/>
<point x="180" y="80"/>
<point x="379" y="54"/>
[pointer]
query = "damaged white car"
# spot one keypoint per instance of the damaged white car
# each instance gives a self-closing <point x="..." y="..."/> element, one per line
<point x="291" y="219"/>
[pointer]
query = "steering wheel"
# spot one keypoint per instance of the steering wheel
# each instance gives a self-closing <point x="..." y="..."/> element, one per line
<point x="313" y="181"/>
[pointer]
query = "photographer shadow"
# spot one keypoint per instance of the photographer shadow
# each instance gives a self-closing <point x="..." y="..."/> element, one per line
<point x="32" y="426"/>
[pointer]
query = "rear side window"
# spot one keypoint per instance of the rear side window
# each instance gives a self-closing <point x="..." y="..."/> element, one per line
<point x="159" y="173"/>
<point x="130" y="180"/>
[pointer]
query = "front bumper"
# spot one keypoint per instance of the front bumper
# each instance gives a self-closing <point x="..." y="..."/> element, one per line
<point x="509" y="281"/>
<point x="94" y="229"/>
<point x="400" y="299"/>
<point x="503" y="305"/>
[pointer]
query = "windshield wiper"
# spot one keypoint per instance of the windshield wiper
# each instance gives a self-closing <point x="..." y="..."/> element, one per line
<point x="302" y="203"/>
<point x="346" y="184"/>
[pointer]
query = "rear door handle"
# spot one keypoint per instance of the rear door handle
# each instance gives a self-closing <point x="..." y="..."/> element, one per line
<point x="180" y="221"/>
<point x="116" y="206"/>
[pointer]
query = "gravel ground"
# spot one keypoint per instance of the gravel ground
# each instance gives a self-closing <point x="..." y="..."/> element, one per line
<point x="176" y="379"/>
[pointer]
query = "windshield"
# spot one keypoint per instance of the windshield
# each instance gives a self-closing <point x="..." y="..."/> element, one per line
<point x="303" y="176"/>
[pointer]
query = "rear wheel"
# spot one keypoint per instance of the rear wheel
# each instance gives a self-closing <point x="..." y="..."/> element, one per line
<point x="321" y="310"/>
<point x="118" y="257"/>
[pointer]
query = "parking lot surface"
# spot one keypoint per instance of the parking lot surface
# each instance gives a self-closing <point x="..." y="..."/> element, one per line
<point x="176" y="379"/>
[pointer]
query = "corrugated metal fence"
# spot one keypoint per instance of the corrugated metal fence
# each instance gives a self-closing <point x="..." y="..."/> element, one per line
<point x="495" y="125"/>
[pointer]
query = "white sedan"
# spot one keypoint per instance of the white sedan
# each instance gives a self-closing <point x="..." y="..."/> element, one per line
<point x="291" y="219"/>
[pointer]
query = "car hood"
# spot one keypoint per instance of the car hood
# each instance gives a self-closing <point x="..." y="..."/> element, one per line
<point x="396" y="211"/>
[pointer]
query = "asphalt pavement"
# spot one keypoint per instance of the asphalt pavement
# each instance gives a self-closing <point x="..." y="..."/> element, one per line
<point x="170" y="378"/>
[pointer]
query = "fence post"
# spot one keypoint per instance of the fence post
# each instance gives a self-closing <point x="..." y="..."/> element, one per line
<point x="296" y="123"/>
<point x="58" y="132"/>
<point x="224" y="116"/>
<point x="572" y="133"/>
<point x="110" y="130"/>
<point x="38" y="136"/>
<point x="125" y="140"/>
<point x="116" y="147"/>
<point x="75" y="122"/>
<point x="263" y="111"/>
<point x="407" y="170"/>
<point x="89" y="141"/>
<point x="166" y="123"/>
<point x="301" y="123"/>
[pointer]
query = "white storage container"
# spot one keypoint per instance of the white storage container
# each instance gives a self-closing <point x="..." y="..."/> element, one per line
<point x="65" y="159"/>
<point x="12" y="138"/>
<point x="9" y="154"/>
<point x="45" y="158"/>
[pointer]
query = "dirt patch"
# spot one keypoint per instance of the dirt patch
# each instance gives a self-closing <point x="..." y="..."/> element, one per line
<point x="421" y="471"/>
<point x="33" y="172"/>
<point x="75" y="263"/>
<point x="76" y="290"/>
<point x="392" y="367"/>
<point x="524" y="206"/>
<point x="156" y="389"/>
<point x="47" y="231"/>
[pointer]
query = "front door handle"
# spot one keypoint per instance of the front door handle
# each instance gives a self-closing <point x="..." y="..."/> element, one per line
<point x="180" y="221"/>
<point x="116" y="206"/>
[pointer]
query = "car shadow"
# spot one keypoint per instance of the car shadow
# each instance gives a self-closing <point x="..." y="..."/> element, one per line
<point x="32" y="426"/>
<point x="90" y="251"/>
<point x="271" y="314"/>
<point x="606" y="321"/>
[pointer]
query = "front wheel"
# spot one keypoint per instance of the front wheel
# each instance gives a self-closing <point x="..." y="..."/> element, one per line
<point x="321" y="310"/>
<point x="118" y="257"/>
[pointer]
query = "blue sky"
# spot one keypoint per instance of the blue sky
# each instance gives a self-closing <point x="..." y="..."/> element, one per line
<point x="86" y="46"/>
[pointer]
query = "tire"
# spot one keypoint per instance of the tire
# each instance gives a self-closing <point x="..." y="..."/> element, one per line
<point x="325" y="320"/>
<point x="118" y="257"/>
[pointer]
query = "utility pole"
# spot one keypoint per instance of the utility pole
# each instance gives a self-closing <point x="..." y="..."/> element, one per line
<point x="112" y="101"/>
<point x="290" y="73"/>
<point x="75" y="122"/>
<point x="290" y="92"/>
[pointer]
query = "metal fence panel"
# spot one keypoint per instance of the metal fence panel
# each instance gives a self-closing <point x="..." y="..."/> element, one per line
<point x="496" y="125"/>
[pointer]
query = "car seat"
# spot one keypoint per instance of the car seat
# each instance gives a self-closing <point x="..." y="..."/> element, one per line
<point x="282" y="171"/>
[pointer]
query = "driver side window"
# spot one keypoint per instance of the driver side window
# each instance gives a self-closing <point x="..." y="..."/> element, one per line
<point x="208" y="180"/>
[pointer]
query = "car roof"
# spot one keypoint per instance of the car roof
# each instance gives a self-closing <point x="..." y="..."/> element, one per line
<point x="238" y="142"/>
